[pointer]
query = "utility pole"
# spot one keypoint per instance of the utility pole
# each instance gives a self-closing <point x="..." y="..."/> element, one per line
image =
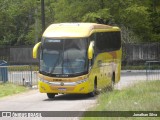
<point x="43" y="15"/>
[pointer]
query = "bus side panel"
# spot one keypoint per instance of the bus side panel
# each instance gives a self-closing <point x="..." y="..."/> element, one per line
<point x="105" y="65"/>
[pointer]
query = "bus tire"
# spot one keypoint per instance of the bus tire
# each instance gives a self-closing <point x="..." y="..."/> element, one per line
<point x="111" y="86"/>
<point x="51" y="95"/>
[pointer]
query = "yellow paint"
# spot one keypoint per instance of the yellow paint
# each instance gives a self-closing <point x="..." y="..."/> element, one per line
<point x="35" y="50"/>
<point x="75" y="30"/>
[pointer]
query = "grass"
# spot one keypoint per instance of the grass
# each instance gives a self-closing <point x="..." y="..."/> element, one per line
<point x="138" y="67"/>
<point x="23" y="68"/>
<point x="7" y="89"/>
<point x="141" y="97"/>
<point x="141" y="67"/>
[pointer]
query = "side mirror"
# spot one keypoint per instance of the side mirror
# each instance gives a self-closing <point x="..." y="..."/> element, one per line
<point x="90" y="50"/>
<point x="35" y="50"/>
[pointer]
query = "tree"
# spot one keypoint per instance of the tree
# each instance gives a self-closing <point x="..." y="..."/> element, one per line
<point x="17" y="20"/>
<point x="20" y="20"/>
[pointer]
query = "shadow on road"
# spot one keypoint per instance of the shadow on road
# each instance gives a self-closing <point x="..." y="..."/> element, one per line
<point x="70" y="97"/>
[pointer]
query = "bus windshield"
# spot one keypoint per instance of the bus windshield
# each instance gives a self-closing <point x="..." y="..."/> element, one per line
<point x="64" y="56"/>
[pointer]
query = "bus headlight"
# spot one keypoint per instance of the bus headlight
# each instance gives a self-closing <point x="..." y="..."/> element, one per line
<point x="82" y="81"/>
<point x="45" y="81"/>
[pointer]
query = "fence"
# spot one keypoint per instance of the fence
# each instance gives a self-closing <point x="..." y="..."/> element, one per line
<point x="17" y="55"/>
<point x="136" y="54"/>
<point x="19" y="74"/>
<point x="135" y="74"/>
<point x="153" y="70"/>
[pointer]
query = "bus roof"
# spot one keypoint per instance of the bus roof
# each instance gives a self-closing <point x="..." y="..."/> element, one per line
<point x="76" y="30"/>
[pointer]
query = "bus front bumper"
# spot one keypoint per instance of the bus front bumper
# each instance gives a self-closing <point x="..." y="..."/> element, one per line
<point x="79" y="87"/>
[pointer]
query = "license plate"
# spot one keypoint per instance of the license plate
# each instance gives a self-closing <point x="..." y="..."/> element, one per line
<point x="62" y="89"/>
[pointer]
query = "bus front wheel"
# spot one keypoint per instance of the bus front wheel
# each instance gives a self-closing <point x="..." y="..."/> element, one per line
<point x="51" y="95"/>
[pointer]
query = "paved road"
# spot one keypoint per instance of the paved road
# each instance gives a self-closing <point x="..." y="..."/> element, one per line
<point x="129" y="78"/>
<point x="35" y="101"/>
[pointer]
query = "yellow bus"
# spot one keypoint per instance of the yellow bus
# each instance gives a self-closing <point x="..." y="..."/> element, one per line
<point x="78" y="58"/>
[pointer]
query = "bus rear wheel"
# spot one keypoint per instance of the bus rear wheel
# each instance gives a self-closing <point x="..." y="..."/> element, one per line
<point x="111" y="86"/>
<point x="51" y="95"/>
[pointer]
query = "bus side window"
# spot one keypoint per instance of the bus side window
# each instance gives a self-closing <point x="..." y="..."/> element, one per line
<point x="108" y="41"/>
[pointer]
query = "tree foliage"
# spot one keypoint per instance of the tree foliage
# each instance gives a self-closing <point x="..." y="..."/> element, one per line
<point x="20" y="20"/>
<point x="16" y="21"/>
